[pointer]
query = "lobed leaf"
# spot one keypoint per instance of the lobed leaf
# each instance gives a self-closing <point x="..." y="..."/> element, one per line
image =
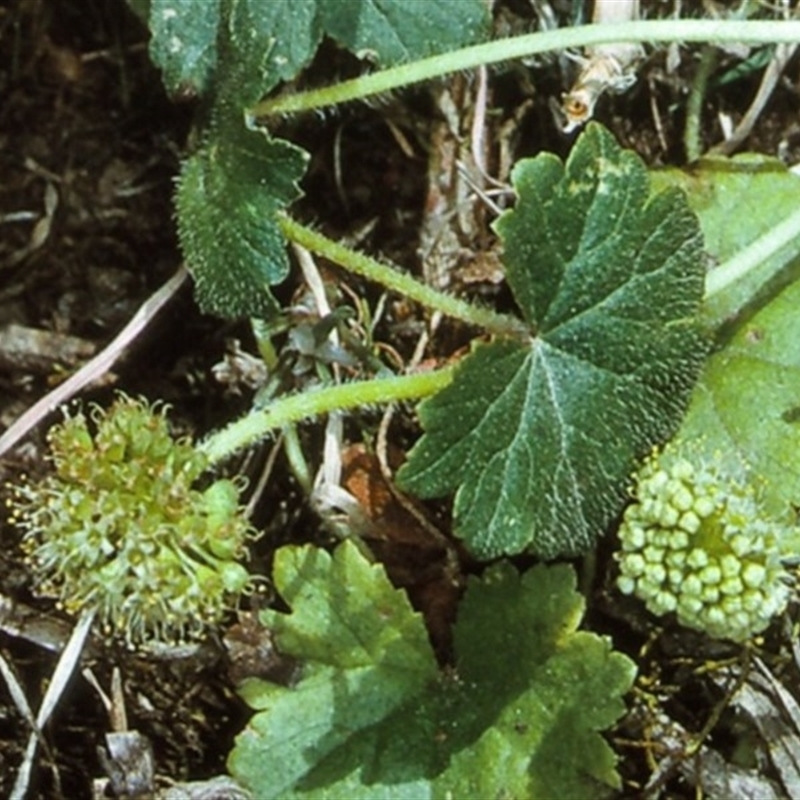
<point x="371" y="718"/>
<point x="228" y="194"/>
<point x="230" y="190"/>
<point x="538" y="438"/>
<point x="366" y="650"/>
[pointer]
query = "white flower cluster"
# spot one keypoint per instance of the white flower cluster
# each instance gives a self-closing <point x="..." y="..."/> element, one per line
<point x="696" y="543"/>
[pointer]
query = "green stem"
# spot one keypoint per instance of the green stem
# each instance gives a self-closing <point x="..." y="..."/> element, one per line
<point x="297" y="459"/>
<point x="668" y="30"/>
<point x="692" y="140"/>
<point x="733" y="284"/>
<point x="400" y="282"/>
<point x="258" y="424"/>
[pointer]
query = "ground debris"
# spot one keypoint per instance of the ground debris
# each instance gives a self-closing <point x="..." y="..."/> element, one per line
<point x="220" y="788"/>
<point x="705" y="769"/>
<point x="36" y="350"/>
<point x="776" y="715"/>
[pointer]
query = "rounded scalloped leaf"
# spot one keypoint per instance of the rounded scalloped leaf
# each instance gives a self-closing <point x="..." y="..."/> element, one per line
<point x="539" y="438"/>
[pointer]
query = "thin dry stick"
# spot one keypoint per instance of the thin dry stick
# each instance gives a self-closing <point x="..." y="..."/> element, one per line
<point x="478" y="129"/>
<point x="93" y="369"/>
<point x="64" y="668"/>
<point x="657" y="117"/>
<point x="382" y="452"/>
<point x="330" y="473"/>
<point x="263" y="477"/>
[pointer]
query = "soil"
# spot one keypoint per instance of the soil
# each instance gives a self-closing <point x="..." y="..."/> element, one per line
<point x="90" y="146"/>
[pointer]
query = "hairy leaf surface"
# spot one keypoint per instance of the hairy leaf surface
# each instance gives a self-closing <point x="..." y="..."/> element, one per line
<point x="372" y="718"/>
<point x="183" y="42"/>
<point x="538" y="438"/>
<point x="230" y="190"/>
<point x="228" y="194"/>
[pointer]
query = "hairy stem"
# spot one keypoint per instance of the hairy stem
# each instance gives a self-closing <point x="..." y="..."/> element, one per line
<point x="668" y="30"/>
<point x="258" y="424"/>
<point x="400" y="282"/>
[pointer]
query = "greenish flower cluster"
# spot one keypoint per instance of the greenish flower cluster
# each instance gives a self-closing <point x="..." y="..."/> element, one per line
<point x="697" y="543"/>
<point x="118" y="527"/>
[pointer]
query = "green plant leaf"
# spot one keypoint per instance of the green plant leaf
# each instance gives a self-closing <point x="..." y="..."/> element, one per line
<point x="538" y="690"/>
<point x="386" y="31"/>
<point x="393" y="31"/>
<point x="366" y="651"/>
<point x="538" y="438"/>
<point x="227" y="197"/>
<point x="746" y="405"/>
<point x="371" y="718"/>
<point x="268" y="41"/>
<point x="231" y="188"/>
<point x="738" y="200"/>
<point x="183" y="42"/>
<point x="747" y="401"/>
<point x="754" y="190"/>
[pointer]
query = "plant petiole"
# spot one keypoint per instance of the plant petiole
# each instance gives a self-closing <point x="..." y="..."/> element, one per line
<point x="406" y="285"/>
<point x="669" y="30"/>
<point x="294" y="408"/>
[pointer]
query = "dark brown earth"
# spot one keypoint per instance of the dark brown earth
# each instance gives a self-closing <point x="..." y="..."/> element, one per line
<point x="86" y="126"/>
